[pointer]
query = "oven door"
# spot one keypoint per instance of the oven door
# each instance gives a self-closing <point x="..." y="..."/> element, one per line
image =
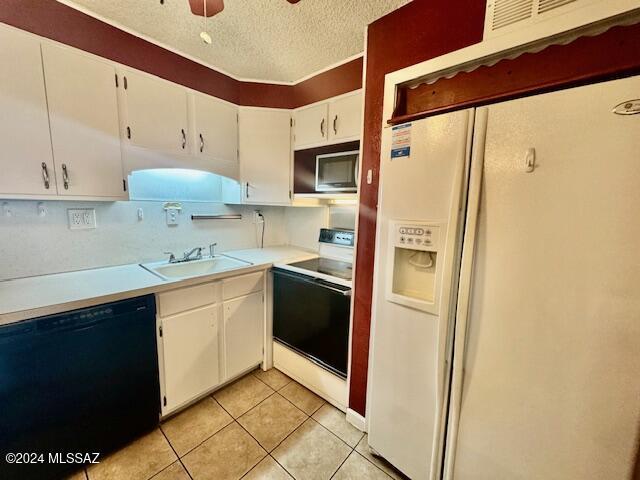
<point x="311" y="316"/>
<point x="337" y="172"/>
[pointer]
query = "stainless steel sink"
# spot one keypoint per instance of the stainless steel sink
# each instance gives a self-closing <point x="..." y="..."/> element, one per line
<point x="193" y="268"/>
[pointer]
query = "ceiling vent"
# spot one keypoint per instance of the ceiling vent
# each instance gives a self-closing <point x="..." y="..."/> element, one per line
<point x="505" y="16"/>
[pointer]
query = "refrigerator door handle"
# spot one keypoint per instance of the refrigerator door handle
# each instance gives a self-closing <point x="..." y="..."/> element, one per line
<point x="464" y="286"/>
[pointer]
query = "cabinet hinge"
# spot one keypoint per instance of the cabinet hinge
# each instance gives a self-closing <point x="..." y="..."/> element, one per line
<point x="160" y="330"/>
<point x="164" y="401"/>
<point x="116" y="80"/>
<point x="129" y="133"/>
<point x="124" y="185"/>
<point x="126" y="84"/>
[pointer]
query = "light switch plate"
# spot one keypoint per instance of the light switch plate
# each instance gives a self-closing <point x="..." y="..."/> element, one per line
<point x="81" y="218"/>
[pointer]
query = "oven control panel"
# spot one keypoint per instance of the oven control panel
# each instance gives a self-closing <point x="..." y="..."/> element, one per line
<point x="423" y="237"/>
<point x="337" y="237"/>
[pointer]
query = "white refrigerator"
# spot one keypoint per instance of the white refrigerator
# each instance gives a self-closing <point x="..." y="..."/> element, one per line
<point x="506" y="340"/>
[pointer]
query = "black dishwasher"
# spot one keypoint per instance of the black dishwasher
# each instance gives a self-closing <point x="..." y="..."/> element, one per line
<point x="79" y="382"/>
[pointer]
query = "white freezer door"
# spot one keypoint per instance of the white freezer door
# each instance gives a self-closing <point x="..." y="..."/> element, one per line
<point x="408" y="366"/>
<point x="551" y="382"/>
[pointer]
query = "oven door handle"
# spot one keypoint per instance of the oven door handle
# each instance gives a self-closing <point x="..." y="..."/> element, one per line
<point x="314" y="281"/>
<point x="324" y="284"/>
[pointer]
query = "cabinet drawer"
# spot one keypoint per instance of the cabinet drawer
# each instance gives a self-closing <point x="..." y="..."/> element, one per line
<point x="188" y="298"/>
<point x="242" y="285"/>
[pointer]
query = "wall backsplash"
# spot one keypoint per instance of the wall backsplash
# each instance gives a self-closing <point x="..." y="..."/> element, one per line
<point x="31" y="244"/>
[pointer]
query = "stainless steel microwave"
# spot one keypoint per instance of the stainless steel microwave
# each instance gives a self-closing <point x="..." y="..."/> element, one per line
<point x="337" y="172"/>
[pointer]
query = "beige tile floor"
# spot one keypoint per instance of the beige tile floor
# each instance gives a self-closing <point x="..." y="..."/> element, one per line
<point x="263" y="426"/>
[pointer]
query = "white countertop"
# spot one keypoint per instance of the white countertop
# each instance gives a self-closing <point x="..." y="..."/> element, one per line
<point x="272" y="255"/>
<point x="32" y="297"/>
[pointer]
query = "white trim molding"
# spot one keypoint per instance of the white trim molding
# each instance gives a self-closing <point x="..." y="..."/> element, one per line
<point x="357" y="420"/>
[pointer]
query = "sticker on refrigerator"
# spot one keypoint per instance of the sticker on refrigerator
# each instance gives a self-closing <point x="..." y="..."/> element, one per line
<point x="401" y="141"/>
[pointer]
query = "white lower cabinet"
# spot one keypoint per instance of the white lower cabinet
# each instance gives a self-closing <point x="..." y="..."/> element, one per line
<point x="207" y="335"/>
<point x="191" y="355"/>
<point x="243" y="330"/>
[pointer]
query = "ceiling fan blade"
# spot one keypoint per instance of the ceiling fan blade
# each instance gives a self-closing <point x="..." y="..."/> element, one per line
<point x="213" y="7"/>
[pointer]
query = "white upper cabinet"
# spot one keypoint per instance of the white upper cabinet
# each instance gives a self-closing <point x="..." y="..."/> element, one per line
<point x="265" y="155"/>
<point x="216" y="128"/>
<point x="155" y="113"/>
<point x="26" y="162"/>
<point x="311" y="125"/>
<point x="335" y="121"/>
<point x="214" y="124"/>
<point x="83" y="111"/>
<point x="345" y="118"/>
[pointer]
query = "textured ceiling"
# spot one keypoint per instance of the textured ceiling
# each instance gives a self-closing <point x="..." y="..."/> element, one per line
<point x="268" y="40"/>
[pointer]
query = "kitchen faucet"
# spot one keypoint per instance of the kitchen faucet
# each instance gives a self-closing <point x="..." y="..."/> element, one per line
<point x="196" y="250"/>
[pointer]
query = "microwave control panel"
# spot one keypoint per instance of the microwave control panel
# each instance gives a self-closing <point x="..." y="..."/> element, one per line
<point x="424" y="237"/>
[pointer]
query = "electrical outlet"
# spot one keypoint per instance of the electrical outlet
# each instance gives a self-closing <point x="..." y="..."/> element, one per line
<point x="81" y="218"/>
<point x="172" y="210"/>
<point x="172" y="216"/>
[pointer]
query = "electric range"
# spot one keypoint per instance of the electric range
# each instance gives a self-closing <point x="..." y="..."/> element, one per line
<point x="312" y="302"/>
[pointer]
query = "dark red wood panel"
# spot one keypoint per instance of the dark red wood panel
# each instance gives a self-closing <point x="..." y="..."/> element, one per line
<point x="587" y="59"/>
<point x="341" y="79"/>
<point x="304" y="164"/>
<point x="421" y="30"/>
<point x="64" y="24"/>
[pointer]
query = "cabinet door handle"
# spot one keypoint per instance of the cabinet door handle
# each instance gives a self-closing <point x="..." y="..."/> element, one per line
<point x="335" y="125"/>
<point x="184" y="138"/>
<point x="201" y="143"/>
<point x="45" y="175"/>
<point x="322" y="127"/>
<point x="65" y="176"/>
<point x="247" y="190"/>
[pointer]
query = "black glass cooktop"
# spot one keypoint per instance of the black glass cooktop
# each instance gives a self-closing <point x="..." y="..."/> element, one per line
<point x="328" y="266"/>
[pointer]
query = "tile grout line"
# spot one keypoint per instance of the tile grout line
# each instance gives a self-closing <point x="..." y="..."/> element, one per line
<point x="214" y="433"/>
<point x="309" y="417"/>
<point x="282" y="466"/>
<point x="369" y="461"/>
<point x="235" y="420"/>
<point x="217" y="431"/>
<point x="258" y="378"/>
<point x="174" y="451"/>
<point x="268" y="453"/>
<point x="343" y="462"/>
